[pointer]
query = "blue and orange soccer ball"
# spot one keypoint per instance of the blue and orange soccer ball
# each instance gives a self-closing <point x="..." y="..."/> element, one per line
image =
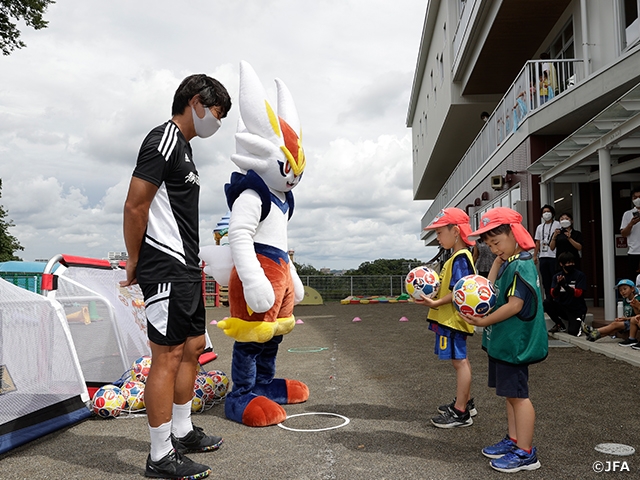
<point x="422" y="280"/>
<point x="133" y="393"/>
<point x="108" y="401"/>
<point x="474" y="295"/>
<point x="203" y="392"/>
<point x="140" y="369"/>
<point x="221" y="382"/>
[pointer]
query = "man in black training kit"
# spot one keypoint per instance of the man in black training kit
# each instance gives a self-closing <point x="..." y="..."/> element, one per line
<point x="161" y="236"/>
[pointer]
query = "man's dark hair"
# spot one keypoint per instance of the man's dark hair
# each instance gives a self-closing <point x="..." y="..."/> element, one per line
<point x="567" y="214"/>
<point x="499" y="230"/>
<point x="212" y="94"/>
<point x="553" y="210"/>
<point x="565" y="258"/>
<point x="635" y="190"/>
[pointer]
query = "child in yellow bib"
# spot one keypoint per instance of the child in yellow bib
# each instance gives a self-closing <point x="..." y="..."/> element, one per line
<point x="452" y="230"/>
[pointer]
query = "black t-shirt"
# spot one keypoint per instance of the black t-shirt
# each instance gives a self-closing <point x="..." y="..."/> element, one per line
<point x="169" y="251"/>
<point x="564" y="245"/>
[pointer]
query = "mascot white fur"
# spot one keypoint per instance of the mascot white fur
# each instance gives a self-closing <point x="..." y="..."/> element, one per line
<point x="263" y="284"/>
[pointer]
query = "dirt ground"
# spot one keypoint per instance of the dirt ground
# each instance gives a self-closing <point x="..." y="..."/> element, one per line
<point x="381" y="375"/>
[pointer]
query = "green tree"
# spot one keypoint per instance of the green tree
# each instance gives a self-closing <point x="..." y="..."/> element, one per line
<point x="31" y="11"/>
<point x="382" y="266"/>
<point x="304" y="270"/>
<point x="8" y="243"/>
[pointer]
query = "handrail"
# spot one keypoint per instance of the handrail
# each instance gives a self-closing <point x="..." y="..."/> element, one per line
<point x="538" y="83"/>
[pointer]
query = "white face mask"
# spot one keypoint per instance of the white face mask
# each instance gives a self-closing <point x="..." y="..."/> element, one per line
<point x="207" y="126"/>
<point x="546" y="216"/>
<point x="636" y="202"/>
<point x="565" y="223"/>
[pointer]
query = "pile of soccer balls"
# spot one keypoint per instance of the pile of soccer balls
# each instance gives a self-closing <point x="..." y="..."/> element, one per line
<point x="110" y="401"/>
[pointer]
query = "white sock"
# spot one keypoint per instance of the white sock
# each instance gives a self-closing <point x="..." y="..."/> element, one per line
<point x="181" y="421"/>
<point x="160" y="441"/>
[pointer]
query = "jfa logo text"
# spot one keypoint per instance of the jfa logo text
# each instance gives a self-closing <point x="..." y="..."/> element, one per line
<point x="609" y="466"/>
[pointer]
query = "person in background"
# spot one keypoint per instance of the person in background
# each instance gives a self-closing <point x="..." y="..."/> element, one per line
<point x="629" y="320"/>
<point x="629" y="228"/>
<point x="566" y="239"/>
<point x="567" y="297"/>
<point x="482" y="257"/>
<point x="543" y="254"/>
<point x="484" y="116"/>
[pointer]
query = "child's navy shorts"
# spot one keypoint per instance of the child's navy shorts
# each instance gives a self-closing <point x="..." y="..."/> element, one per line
<point x="510" y="381"/>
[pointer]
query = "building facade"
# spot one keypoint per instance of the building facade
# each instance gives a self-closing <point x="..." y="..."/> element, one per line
<point x="522" y="103"/>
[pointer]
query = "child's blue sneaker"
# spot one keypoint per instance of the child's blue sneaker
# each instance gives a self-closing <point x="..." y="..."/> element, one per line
<point x="516" y="460"/>
<point x="501" y="448"/>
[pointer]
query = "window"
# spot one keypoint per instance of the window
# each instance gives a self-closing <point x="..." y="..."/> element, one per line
<point x="630" y="22"/>
<point x="461" y="5"/>
<point x="562" y="47"/>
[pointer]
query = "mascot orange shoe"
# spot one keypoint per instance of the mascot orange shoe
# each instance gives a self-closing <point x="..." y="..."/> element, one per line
<point x="263" y="284"/>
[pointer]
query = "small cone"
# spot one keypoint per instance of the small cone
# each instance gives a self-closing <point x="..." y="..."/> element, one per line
<point x="404" y="319"/>
<point x="357" y="319"/>
<point x="299" y="322"/>
<point x="93" y="311"/>
<point x="80" y="316"/>
<point x="213" y="322"/>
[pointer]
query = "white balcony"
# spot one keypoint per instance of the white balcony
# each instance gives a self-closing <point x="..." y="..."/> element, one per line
<point x="538" y="83"/>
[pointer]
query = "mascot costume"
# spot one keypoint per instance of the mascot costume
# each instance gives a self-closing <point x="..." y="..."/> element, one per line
<point x="263" y="283"/>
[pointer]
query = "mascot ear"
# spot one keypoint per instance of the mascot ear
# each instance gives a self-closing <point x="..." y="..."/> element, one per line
<point x="256" y="113"/>
<point x="287" y="108"/>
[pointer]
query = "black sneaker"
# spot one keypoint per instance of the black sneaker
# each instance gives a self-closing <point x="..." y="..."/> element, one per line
<point x="636" y="346"/>
<point x="629" y="342"/>
<point x="557" y="329"/>
<point x="452" y="419"/>
<point x="196" y="441"/>
<point x="471" y="407"/>
<point x="174" y="465"/>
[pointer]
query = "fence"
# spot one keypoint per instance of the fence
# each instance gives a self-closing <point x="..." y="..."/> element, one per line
<point x="28" y="281"/>
<point x="333" y="288"/>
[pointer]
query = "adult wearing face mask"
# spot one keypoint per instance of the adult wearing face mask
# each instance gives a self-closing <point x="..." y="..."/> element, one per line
<point x="629" y="229"/>
<point x="161" y="236"/>
<point x="566" y="239"/>
<point x="544" y="255"/>
<point x="566" y="303"/>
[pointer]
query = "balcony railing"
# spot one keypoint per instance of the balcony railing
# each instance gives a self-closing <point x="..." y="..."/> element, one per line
<point x="538" y="83"/>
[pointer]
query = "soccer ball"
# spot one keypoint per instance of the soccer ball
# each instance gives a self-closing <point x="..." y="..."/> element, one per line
<point x="133" y="393"/>
<point x="422" y="280"/>
<point x="221" y="382"/>
<point x="140" y="369"/>
<point x="474" y="295"/>
<point x="108" y="401"/>
<point x="203" y="392"/>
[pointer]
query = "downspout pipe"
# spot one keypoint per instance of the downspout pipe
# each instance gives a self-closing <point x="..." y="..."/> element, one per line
<point x="585" y="38"/>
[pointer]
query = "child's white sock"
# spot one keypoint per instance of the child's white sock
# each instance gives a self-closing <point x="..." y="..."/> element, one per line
<point x="160" y="441"/>
<point x="181" y="422"/>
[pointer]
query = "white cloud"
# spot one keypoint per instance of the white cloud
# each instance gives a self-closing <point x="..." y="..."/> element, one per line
<point x="76" y="103"/>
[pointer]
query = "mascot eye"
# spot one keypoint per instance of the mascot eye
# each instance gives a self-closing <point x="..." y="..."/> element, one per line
<point x="285" y="168"/>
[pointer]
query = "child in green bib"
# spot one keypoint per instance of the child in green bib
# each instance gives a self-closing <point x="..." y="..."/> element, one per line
<point x="514" y="334"/>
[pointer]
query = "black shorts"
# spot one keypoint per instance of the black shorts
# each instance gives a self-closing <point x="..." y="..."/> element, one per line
<point x="175" y="311"/>
<point x="510" y="381"/>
